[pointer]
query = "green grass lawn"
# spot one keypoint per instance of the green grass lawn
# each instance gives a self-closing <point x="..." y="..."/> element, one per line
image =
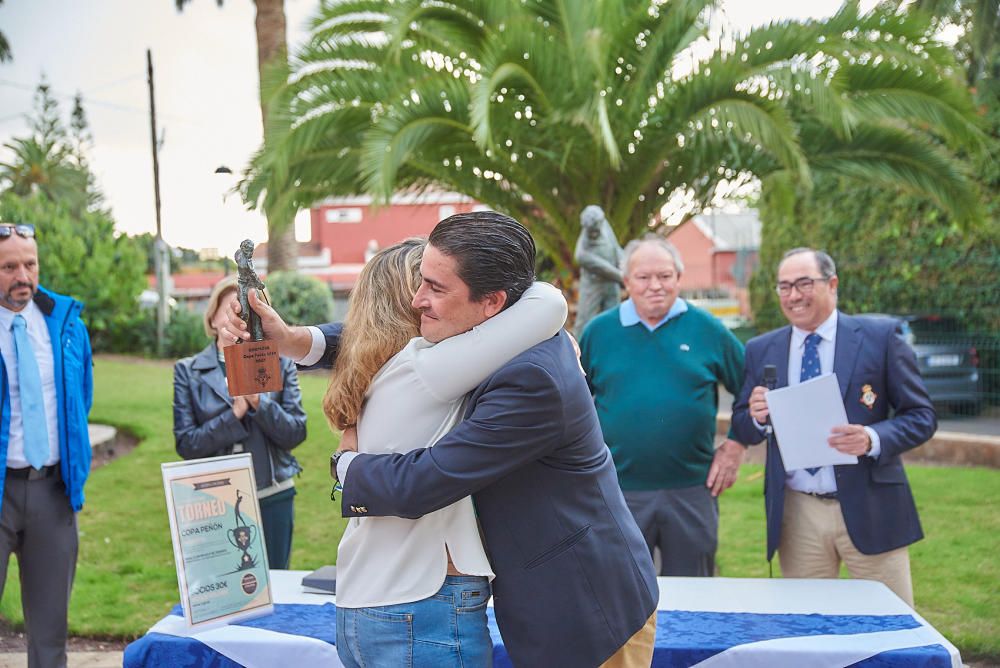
<point x="125" y="578"/>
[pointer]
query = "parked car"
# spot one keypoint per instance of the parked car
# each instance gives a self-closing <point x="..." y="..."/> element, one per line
<point x="947" y="359"/>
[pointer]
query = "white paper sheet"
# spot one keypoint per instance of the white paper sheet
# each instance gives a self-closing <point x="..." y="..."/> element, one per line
<point x="802" y="416"/>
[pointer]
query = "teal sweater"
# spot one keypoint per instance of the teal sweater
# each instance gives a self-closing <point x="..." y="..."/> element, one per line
<point x="656" y="394"/>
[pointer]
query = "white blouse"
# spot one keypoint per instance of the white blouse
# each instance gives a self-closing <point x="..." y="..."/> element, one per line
<point x="415" y="399"/>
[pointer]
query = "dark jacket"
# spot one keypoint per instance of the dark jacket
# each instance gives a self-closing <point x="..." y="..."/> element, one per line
<point x="74" y="376"/>
<point x="204" y="424"/>
<point x="874" y="495"/>
<point x="574" y="578"/>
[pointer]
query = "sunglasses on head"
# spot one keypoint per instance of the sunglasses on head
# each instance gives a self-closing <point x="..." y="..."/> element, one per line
<point x="24" y="230"/>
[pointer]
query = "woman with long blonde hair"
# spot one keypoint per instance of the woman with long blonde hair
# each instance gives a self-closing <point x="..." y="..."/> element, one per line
<point x="379" y="322"/>
<point x="414" y="592"/>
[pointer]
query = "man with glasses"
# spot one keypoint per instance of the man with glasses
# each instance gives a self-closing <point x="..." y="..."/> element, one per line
<point x="47" y="388"/>
<point x="654" y="364"/>
<point x="860" y="514"/>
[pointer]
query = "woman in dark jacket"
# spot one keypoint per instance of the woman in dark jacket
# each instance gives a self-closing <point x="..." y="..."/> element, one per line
<point x="208" y="423"/>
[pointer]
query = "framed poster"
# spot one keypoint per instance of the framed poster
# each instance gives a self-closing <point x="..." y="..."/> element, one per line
<point x="219" y="552"/>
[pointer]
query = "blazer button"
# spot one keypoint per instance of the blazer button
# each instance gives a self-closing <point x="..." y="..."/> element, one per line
<point x="362" y="509"/>
<point x="354" y="509"/>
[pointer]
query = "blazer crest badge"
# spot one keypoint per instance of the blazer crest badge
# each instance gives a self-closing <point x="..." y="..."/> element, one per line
<point x="868" y="396"/>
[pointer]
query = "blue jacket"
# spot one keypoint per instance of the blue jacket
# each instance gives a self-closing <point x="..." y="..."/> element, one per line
<point x="874" y="494"/>
<point x="73" y="369"/>
<point x="574" y="578"/>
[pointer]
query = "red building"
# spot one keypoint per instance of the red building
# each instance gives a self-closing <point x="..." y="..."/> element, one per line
<point x="344" y="232"/>
<point x="720" y="252"/>
<point x="345" y="229"/>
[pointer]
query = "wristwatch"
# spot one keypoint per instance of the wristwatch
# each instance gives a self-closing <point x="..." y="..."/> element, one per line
<point x="334" y="458"/>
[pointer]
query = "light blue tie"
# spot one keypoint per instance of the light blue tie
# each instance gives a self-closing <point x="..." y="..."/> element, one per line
<point x="811" y="369"/>
<point x="36" y="432"/>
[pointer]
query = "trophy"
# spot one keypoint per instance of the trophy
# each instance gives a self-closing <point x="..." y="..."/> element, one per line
<point x="251" y="366"/>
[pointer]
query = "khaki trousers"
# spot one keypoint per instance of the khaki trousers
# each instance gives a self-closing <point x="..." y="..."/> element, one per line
<point x="814" y="541"/>
<point x="638" y="651"/>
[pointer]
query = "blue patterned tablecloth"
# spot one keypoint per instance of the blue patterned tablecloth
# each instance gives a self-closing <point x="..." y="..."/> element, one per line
<point x="683" y="638"/>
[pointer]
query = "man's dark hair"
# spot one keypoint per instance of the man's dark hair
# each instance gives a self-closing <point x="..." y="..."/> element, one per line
<point x="493" y="252"/>
<point x="825" y="264"/>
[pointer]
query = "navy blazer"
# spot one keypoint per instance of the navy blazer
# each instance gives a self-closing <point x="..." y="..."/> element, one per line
<point x="574" y="578"/>
<point x="874" y="495"/>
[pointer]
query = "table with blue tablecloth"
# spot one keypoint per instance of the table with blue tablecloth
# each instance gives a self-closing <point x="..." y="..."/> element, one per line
<point x="705" y="622"/>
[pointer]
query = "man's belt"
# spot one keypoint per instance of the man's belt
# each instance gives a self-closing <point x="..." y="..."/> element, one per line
<point x="30" y="473"/>
<point x="829" y="496"/>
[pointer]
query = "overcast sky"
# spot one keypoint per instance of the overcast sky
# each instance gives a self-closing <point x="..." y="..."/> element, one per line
<point x="205" y="75"/>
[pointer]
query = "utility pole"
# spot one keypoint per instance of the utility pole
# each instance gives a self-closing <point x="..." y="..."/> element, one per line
<point x="161" y="258"/>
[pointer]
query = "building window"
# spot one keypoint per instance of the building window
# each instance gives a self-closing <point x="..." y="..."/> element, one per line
<point x="445" y="211"/>
<point x="353" y="215"/>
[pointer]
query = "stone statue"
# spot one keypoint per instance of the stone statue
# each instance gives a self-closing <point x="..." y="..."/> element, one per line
<point x="599" y="257"/>
<point x="246" y="279"/>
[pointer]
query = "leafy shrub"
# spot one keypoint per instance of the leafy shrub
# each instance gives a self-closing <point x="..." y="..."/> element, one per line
<point x="300" y="300"/>
<point x="135" y="334"/>
<point x="184" y="335"/>
<point x="79" y="254"/>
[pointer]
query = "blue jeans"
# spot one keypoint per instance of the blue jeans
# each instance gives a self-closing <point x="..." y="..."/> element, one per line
<point x="447" y="629"/>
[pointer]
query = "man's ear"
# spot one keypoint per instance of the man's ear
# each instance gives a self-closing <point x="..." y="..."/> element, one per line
<point x="494" y="302"/>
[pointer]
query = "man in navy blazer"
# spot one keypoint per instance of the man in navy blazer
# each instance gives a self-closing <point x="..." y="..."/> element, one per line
<point x="575" y="584"/>
<point x="862" y="514"/>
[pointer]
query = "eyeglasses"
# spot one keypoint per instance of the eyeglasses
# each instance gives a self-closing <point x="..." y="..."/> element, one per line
<point x="26" y="231"/>
<point x="804" y="285"/>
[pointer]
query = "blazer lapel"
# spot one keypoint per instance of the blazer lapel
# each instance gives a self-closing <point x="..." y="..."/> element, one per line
<point x="207" y="362"/>
<point x="846" y="351"/>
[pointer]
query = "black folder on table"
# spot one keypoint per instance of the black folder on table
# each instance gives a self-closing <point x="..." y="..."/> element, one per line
<point x="323" y="579"/>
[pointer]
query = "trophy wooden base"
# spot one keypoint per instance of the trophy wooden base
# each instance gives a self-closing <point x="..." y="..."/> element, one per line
<point x="252" y="367"/>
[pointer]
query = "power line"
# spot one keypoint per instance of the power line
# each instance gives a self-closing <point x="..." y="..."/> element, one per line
<point x="95" y="101"/>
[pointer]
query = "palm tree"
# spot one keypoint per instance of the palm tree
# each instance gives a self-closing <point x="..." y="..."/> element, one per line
<point x="37" y="166"/>
<point x="45" y="162"/>
<point x="540" y="107"/>
<point x="272" y="49"/>
<point x="981" y="18"/>
<point x="5" y="54"/>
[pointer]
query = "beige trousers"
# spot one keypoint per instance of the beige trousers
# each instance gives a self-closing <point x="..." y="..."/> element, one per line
<point x="814" y="541"/>
<point x="638" y="651"/>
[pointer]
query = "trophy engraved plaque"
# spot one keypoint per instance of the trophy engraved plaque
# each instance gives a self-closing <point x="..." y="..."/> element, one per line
<point x="251" y="366"/>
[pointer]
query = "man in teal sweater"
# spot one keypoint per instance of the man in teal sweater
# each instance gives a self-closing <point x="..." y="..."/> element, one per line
<point x="653" y="364"/>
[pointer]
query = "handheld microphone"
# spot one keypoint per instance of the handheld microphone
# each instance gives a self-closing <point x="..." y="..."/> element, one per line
<point x="770" y="376"/>
<point x="770" y="382"/>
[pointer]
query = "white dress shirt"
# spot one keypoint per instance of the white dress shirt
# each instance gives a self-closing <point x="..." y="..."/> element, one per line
<point x="41" y="344"/>
<point x="825" y="481"/>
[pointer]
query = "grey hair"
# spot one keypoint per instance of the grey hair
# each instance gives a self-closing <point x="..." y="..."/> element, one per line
<point x="827" y="268"/>
<point x="655" y="239"/>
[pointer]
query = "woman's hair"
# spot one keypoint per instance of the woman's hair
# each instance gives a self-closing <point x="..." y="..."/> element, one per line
<point x="214" y="300"/>
<point x="380" y="321"/>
